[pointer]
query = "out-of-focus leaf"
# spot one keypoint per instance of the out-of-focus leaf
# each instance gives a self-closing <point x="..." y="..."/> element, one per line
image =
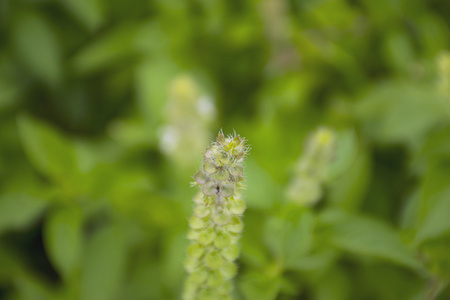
<point x="254" y="253"/>
<point x="173" y="272"/>
<point x="398" y="50"/>
<point x="346" y="152"/>
<point x="152" y="86"/>
<point x="410" y="212"/>
<point x="48" y="151"/>
<point x="290" y="235"/>
<point x="63" y="239"/>
<point x="315" y="263"/>
<point x="389" y="282"/>
<point x="30" y="287"/>
<point x="105" y="51"/>
<point x="9" y="87"/>
<point x="436" y="221"/>
<point x="367" y="237"/>
<point x="255" y="285"/>
<point x="36" y="45"/>
<point x="256" y="196"/>
<point x="400" y="112"/>
<point x="18" y="211"/>
<point x="434" y="182"/>
<point x="89" y="12"/>
<point x="103" y="264"/>
<point x="348" y="190"/>
<point x="9" y="264"/>
<point x="144" y="278"/>
<point x="335" y="284"/>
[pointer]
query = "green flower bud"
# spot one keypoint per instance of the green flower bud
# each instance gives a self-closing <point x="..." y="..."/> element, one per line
<point x="220" y="138"/>
<point x="210" y="188"/>
<point x="201" y="177"/>
<point x="199" y="198"/>
<point x="222" y="240"/>
<point x="306" y="187"/>
<point x="201" y="211"/>
<point x="207" y="237"/>
<point x="237" y="206"/>
<point x="196" y="222"/>
<point x="207" y="294"/>
<point x="215" y="279"/>
<point x="191" y="264"/>
<point x="199" y="276"/>
<point x="196" y="250"/>
<point x="234" y="237"/>
<point x="235" y="225"/>
<point x="225" y="288"/>
<point x="221" y="175"/>
<point x="216" y="223"/>
<point x="227" y="190"/>
<point x="214" y="260"/>
<point x="209" y="167"/>
<point x="228" y="270"/>
<point x="230" y="253"/>
<point x="222" y="219"/>
<point x="237" y="170"/>
<point x="193" y="234"/>
<point x="224" y="158"/>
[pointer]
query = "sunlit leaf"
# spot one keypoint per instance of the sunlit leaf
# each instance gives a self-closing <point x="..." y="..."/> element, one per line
<point x="109" y="49"/>
<point x="368" y="237"/>
<point x="89" y="12"/>
<point x="103" y="264"/>
<point x="63" y="239"/>
<point x="255" y="285"/>
<point x="18" y="211"/>
<point x="48" y="151"/>
<point x="290" y="235"/>
<point x="436" y="221"/>
<point x="36" y="44"/>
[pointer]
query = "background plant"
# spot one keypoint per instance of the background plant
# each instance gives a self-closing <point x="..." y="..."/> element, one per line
<point x="92" y="208"/>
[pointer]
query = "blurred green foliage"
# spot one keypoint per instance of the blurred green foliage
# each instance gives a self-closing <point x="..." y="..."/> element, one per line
<point x="99" y="144"/>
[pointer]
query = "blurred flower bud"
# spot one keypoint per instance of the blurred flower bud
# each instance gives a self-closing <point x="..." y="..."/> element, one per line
<point x="188" y="116"/>
<point x="306" y="187"/>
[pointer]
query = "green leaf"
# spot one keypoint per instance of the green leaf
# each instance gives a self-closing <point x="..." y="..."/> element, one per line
<point x="106" y="50"/>
<point x="48" y="151"/>
<point x="416" y="110"/>
<point x="335" y="284"/>
<point x="18" y="211"/>
<point x="63" y="239"/>
<point x="349" y="189"/>
<point x="367" y="237"/>
<point x="289" y="235"/>
<point x="436" y="221"/>
<point x="89" y="12"/>
<point x="32" y="287"/>
<point x="346" y="154"/>
<point x="153" y="79"/>
<point x="36" y="45"/>
<point x="261" y="191"/>
<point x="255" y="285"/>
<point x="103" y="264"/>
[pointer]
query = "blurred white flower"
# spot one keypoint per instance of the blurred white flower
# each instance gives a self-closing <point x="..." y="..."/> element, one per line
<point x="169" y="139"/>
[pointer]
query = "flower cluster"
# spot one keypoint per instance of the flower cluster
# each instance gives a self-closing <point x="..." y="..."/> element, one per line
<point x="312" y="169"/>
<point x="216" y="224"/>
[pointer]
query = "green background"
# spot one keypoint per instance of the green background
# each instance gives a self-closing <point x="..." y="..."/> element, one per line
<point x="107" y="105"/>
